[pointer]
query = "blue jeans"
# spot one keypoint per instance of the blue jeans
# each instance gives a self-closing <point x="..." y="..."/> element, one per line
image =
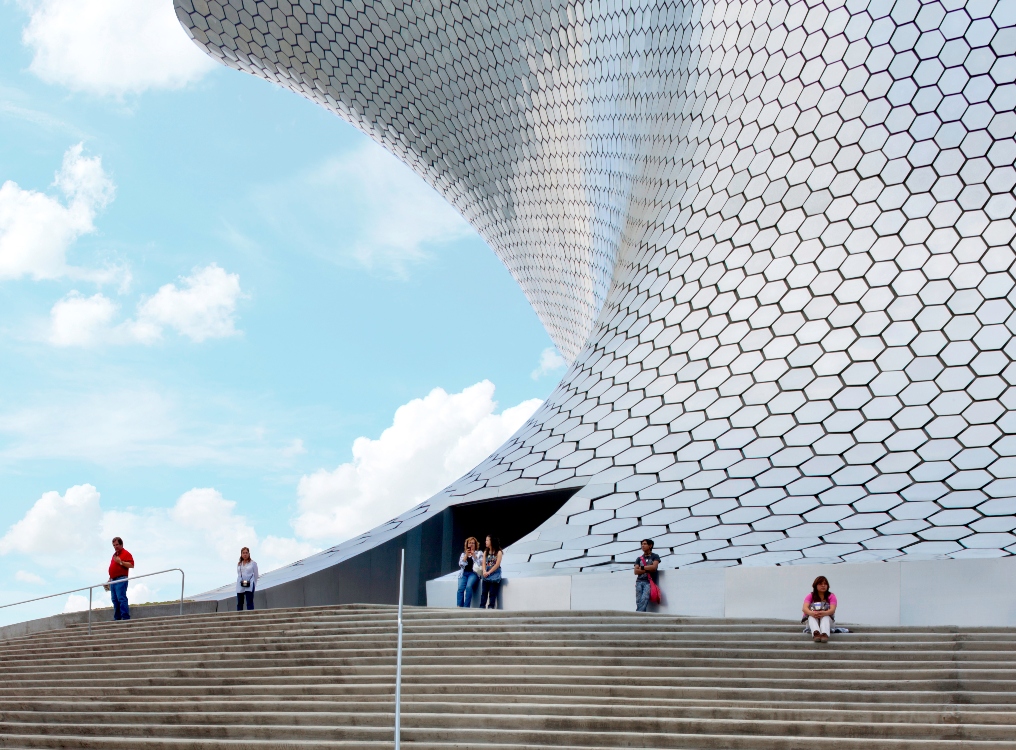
<point x="641" y="596"/>
<point x="118" y="593"/>
<point x="467" y="585"/>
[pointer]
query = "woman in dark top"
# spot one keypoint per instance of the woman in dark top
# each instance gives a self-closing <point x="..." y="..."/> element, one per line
<point x="492" y="555"/>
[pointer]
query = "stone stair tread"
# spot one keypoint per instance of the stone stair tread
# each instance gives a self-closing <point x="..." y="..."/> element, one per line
<point x="323" y="677"/>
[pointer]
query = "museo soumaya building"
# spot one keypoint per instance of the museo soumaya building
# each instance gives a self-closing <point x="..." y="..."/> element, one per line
<point x="773" y="239"/>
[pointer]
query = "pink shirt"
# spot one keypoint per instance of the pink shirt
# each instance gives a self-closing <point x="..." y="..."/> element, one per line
<point x="831" y="597"/>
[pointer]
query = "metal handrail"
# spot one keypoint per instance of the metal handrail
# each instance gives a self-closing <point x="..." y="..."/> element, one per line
<point x="183" y="578"/>
<point x="398" y="658"/>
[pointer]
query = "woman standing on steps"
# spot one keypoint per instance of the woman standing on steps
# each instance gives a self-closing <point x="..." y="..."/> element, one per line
<point x="491" y="573"/>
<point x="470" y="566"/>
<point x="246" y="580"/>
<point x="819" y="609"/>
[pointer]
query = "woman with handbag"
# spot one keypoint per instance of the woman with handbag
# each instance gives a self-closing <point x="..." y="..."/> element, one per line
<point x="492" y="555"/>
<point x="646" y="577"/>
<point x="246" y="580"/>
<point x="820" y="610"/>
<point x="470" y="565"/>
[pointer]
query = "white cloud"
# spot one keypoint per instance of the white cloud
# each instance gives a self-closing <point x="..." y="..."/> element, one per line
<point x="81" y="321"/>
<point x="550" y="361"/>
<point x="76" y="603"/>
<point x="201" y="533"/>
<point x="203" y="307"/>
<point x="60" y="524"/>
<point x="139" y="592"/>
<point x="432" y="441"/>
<point x="382" y="215"/>
<point x="111" y="47"/>
<point x="37" y="230"/>
<point x="25" y="577"/>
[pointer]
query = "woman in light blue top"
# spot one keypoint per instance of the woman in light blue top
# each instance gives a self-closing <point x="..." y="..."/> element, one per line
<point x="246" y="580"/>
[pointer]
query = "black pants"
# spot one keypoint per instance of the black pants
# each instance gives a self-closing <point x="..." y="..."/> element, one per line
<point x="249" y="596"/>
<point x="489" y="589"/>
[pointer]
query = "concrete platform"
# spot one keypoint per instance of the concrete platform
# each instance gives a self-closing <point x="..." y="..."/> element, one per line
<point x="919" y="593"/>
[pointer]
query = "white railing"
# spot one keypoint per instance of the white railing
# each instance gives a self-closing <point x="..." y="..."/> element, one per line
<point x="110" y="583"/>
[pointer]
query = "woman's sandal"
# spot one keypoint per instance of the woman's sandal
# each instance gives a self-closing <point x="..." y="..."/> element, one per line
<point x="816" y="636"/>
<point x="825" y="638"/>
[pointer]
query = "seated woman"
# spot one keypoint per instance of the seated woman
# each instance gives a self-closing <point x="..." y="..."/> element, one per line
<point x="820" y="609"/>
<point x="470" y="564"/>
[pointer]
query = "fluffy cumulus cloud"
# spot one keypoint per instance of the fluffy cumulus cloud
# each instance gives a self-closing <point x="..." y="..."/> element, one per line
<point x="202" y="307"/>
<point x="111" y="47"/>
<point x="37" y="230"/>
<point x="432" y="441"/>
<point x="550" y="362"/>
<point x="77" y="320"/>
<point x="67" y="523"/>
<point x="201" y="533"/>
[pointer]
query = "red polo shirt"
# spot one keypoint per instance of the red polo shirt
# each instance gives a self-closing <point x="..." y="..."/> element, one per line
<point x="115" y="569"/>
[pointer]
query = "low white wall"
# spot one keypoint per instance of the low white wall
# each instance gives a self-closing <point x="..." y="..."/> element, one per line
<point x="929" y="592"/>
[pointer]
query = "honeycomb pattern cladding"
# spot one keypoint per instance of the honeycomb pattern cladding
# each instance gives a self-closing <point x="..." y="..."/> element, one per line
<point x="774" y="238"/>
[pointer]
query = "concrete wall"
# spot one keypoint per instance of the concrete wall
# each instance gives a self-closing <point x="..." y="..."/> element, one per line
<point x="930" y="592"/>
<point x="138" y="611"/>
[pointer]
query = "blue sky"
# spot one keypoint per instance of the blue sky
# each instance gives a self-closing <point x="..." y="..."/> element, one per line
<point x="211" y="290"/>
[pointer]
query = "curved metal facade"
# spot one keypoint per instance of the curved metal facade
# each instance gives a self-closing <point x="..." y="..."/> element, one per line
<point x="774" y="240"/>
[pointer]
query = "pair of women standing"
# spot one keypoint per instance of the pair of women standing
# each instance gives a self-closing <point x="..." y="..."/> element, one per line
<point x="485" y="566"/>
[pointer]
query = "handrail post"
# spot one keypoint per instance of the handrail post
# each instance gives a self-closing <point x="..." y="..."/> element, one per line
<point x="89" y="610"/>
<point x="398" y="658"/>
<point x="183" y="577"/>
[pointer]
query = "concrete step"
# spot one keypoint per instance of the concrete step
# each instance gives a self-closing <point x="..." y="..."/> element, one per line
<point x="196" y="738"/>
<point x="308" y="725"/>
<point x="324" y="677"/>
<point x="747" y="669"/>
<point x="302" y="711"/>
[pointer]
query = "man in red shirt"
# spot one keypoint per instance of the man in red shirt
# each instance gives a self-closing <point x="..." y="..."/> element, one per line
<point x="122" y="562"/>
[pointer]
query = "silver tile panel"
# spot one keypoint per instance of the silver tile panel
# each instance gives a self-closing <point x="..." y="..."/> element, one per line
<point x="773" y="239"/>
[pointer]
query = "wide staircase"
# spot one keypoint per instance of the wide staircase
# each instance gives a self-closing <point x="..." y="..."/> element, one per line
<point x="324" y="678"/>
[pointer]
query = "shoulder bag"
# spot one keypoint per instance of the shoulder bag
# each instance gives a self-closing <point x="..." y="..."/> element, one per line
<point x="654" y="590"/>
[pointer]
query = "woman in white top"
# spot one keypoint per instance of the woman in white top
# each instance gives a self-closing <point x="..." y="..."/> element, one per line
<point x="246" y="580"/>
<point x="470" y="564"/>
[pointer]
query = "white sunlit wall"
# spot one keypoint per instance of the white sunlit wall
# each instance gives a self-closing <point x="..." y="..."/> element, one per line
<point x="773" y="239"/>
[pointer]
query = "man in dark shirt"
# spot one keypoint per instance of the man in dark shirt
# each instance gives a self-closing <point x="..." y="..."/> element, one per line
<point x="119" y="565"/>
<point x="645" y="567"/>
